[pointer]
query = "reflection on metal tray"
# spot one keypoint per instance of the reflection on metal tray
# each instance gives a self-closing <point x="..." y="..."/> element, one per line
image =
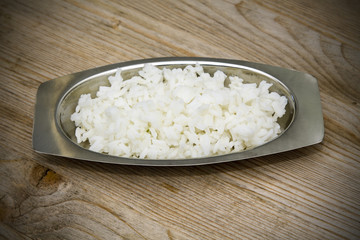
<point x="54" y="133"/>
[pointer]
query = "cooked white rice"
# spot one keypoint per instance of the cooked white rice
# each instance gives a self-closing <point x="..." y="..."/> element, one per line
<point x="178" y="113"/>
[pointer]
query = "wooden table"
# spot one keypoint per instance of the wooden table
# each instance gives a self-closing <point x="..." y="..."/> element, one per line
<point x="309" y="193"/>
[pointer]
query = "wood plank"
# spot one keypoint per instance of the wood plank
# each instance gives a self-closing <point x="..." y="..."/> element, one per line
<point x="308" y="193"/>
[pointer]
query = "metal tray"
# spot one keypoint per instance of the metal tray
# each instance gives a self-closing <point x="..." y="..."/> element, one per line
<point x="56" y="100"/>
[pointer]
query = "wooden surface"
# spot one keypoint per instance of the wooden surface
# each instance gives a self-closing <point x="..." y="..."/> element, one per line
<point x="309" y="193"/>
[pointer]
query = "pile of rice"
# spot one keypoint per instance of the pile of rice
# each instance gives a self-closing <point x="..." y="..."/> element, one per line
<point x="177" y="113"/>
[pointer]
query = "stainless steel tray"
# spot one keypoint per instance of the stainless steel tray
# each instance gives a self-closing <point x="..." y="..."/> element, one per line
<point x="53" y="131"/>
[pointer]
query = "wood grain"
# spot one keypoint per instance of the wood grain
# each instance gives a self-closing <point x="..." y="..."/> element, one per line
<point x="309" y="193"/>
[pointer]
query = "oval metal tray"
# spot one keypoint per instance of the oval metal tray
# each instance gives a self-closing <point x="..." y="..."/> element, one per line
<point x="53" y="131"/>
